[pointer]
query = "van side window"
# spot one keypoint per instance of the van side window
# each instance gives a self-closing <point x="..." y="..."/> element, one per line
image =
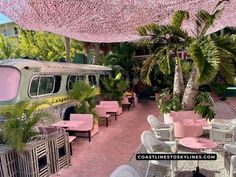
<point x="73" y="79"/>
<point x="34" y="86"/>
<point x="57" y="84"/>
<point x="101" y="77"/>
<point x="70" y="81"/>
<point x="42" y="85"/>
<point x="80" y="78"/>
<point x="92" y="80"/>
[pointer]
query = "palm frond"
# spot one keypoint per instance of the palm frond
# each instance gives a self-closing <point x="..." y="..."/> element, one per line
<point x="178" y="18"/>
<point x="206" y="57"/>
<point x="147" y="67"/>
<point x="204" y="20"/>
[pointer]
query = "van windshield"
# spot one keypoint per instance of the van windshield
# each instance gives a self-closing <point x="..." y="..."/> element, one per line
<point x="9" y="83"/>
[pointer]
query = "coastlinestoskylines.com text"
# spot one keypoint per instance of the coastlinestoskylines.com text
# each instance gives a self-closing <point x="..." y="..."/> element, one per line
<point x="176" y="156"/>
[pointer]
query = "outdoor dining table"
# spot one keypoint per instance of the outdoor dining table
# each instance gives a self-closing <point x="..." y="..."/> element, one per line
<point x="68" y="124"/>
<point x="198" y="144"/>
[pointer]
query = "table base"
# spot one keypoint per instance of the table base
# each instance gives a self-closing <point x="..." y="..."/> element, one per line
<point x="196" y="173"/>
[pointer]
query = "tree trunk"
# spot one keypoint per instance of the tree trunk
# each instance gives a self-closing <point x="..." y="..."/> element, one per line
<point x="86" y="49"/>
<point x="178" y="79"/>
<point x="191" y="91"/>
<point x="96" y="54"/>
<point x="67" y="47"/>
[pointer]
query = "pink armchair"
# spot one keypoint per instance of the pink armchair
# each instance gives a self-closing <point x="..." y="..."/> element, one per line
<point x="86" y="127"/>
<point x="102" y="113"/>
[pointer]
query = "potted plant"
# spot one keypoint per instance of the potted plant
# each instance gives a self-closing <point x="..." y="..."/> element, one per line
<point x="18" y="131"/>
<point x="208" y="54"/>
<point x="20" y="124"/>
<point x="114" y="88"/>
<point x="86" y="95"/>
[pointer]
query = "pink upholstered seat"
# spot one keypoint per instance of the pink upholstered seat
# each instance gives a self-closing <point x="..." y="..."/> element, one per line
<point x="112" y="104"/>
<point x="126" y="102"/>
<point x="87" y="126"/>
<point x="102" y="113"/>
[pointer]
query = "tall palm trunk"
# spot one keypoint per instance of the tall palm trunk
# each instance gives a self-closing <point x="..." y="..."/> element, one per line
<point x="178" y="79"/>
<point x="191" y="91"/>
<point x="96" y="54"/>
<point x="67" y="47"/>
<point x="86" y="49"/>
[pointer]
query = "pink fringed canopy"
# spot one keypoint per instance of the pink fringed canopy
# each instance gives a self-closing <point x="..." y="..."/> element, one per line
<point x="106" y="20"/>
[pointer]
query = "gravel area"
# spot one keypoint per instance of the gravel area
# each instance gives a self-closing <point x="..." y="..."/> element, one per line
<point x="185" y="168"/>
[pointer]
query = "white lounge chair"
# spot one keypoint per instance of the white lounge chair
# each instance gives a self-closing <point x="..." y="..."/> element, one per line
<point x="160" y="129"/>
<point x="124" y="171"/>
<point x="150" y="142"/>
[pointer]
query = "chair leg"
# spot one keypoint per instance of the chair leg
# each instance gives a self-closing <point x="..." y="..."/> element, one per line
<point x="70" y="144"/>
<point x="231" y="170"/>
<point x="106" y="122"/>
<point x="89" y="136"/>
<point x="146" y="175"/>
<point x="115" y="116"/>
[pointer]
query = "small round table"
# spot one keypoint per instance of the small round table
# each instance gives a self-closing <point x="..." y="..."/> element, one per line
<point x="198" y="144"/>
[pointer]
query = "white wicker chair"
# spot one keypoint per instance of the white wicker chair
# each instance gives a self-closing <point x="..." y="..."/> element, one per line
<point x="223" y="133"/>
<point x="230" y="158"/>
<point x="124" y="171"/>
<point x="160" y="129"/>
<point x="149" y="140"/>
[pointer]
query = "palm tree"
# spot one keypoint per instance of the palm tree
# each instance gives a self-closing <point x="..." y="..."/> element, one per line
<point x="209" y="53"/>
<point x="86" y="97"/>
<point x="164" y="40"/>
<point x="20" y="122"/>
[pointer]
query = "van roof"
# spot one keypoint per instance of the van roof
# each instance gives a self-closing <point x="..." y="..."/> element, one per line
<point x="45" y="66"/>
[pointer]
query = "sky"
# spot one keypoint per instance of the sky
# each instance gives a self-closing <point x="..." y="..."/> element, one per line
<point x="4" y="19"/>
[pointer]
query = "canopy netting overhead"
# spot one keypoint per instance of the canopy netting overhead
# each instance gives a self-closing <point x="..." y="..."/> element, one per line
<point x="106" y="20"/>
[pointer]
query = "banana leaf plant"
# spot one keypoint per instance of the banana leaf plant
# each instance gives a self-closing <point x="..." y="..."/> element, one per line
<point x="209" y="54"/>
<point x="20" y="122"/>
<point x="114" y="88"/>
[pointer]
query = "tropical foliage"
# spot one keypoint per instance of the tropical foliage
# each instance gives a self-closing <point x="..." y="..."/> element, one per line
<point x="121" y="59"/>
<point x="8" y="47"/>
<point x="204" y="104"/>
<point x="168" y="102"/>
<point x="114" y="88"/>
<point x="85" y="95"/>
<point x="46" y="46"/>
<point x="208" y="54"/>
<point x="20" y="122"/>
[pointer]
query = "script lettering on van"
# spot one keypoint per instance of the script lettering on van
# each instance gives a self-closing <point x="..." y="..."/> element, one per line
<point x="60" y="99"/>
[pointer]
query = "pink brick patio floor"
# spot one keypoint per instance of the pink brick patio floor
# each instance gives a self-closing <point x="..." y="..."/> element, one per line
<point x="112" y="146"/>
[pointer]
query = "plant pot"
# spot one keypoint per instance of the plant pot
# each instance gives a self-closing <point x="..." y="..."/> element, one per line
<point x="8" y="158"/>
<point x="184" y="124"/>
<point x="34" y="161"/>
<point x="167" y="118"/>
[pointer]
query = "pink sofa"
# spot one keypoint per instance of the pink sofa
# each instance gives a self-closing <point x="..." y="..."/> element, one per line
<point x="186" y="123"/>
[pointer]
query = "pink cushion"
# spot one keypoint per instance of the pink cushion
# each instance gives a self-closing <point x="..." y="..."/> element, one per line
<point x="114" y="104"/>
<point x="101" y="111"/>
<point x="86" y="118"/>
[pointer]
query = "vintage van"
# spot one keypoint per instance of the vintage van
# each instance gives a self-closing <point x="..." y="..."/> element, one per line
<point x="24" y="79"/>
